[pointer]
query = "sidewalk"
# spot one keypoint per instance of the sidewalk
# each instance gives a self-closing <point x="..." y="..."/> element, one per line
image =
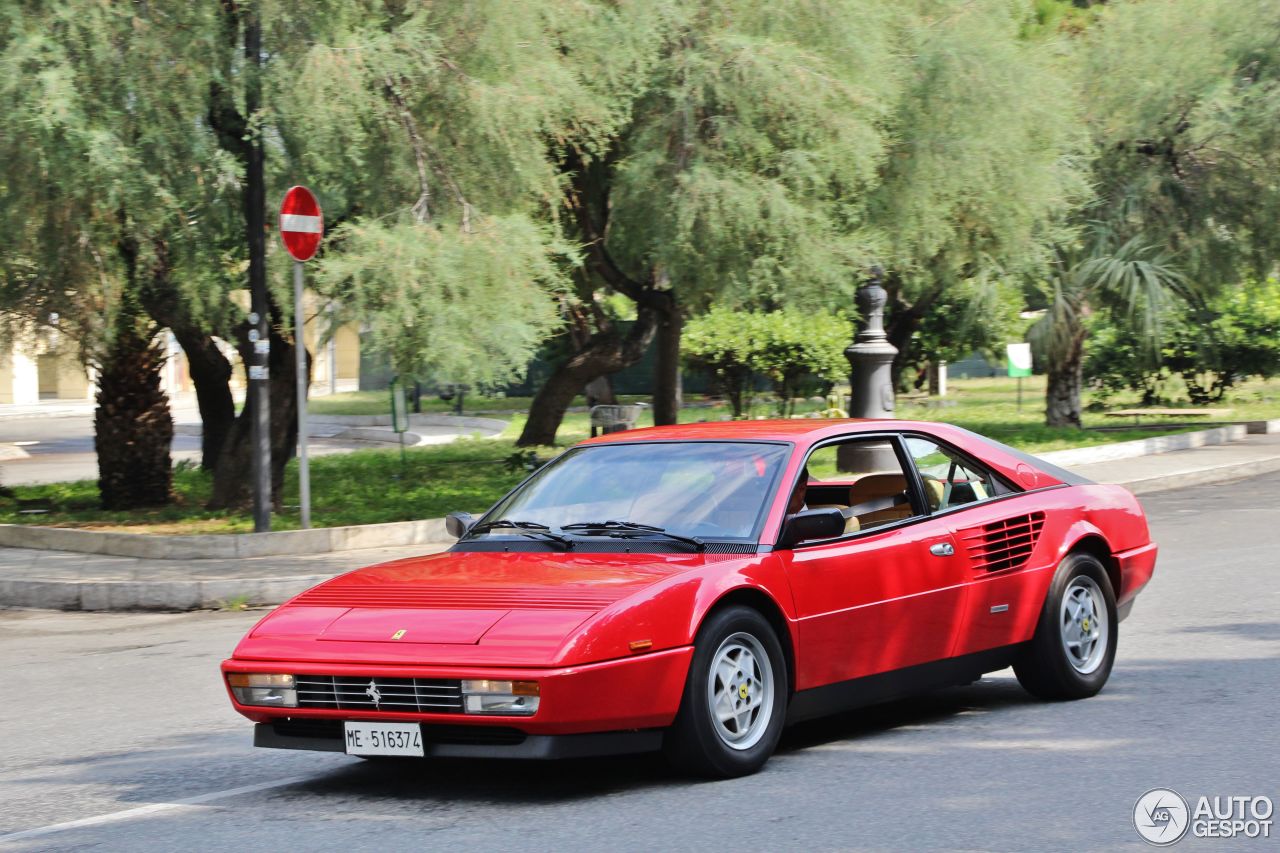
<point x="65" y="580"/>
<point x="1249" y="457"/>
<point x="72" y="581"/>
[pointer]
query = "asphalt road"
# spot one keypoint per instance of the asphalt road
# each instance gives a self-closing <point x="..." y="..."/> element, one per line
<point x="61" y="448"/>
<point x="119" y="722"/>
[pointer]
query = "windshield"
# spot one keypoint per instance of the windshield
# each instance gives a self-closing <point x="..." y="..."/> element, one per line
<point x="710" y="490"/>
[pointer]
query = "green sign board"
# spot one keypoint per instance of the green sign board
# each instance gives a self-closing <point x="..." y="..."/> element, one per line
<point x="399" y="407"/>
<point x="1019" y="359"/>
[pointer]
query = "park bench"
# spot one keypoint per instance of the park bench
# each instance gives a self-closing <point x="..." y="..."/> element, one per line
<point x="610" y="418"/>
<point x="1136" y="414"/>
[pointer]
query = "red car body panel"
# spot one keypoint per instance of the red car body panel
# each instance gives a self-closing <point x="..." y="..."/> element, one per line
<point x="609" y="636"/>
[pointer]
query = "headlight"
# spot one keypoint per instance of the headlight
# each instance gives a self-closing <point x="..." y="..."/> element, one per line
<point x="515" y="698"/>
<point x="253" y="688"/>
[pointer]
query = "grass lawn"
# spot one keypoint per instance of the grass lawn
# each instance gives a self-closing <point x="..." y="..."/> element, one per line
<point x="379" y="403"/>
<point x="372" y="486"/>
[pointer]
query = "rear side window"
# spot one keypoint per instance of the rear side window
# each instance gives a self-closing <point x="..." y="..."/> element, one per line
<point x="951" y="479"/>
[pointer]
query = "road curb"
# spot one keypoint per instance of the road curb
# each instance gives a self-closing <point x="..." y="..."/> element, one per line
<point x="167" y="595"/>
<point x="224" y="546"/>
<point x="1203" y="476"/>
<point x="1147" y="446"/>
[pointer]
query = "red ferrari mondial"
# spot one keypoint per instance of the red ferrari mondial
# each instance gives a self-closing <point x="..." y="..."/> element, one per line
<point x="696" y="588"/>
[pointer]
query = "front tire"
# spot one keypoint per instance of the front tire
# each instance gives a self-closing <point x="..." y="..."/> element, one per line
<point x="1074" y="647"/>
<point x="735" y="697"/>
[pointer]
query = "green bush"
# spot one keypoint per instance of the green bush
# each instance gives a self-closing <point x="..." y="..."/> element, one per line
<point x="1210" y="348"/>
<point x="801" y="354"/>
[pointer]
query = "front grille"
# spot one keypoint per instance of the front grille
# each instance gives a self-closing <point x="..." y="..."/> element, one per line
<point x="1004" y="544"/>
<point x="360" y="693"/>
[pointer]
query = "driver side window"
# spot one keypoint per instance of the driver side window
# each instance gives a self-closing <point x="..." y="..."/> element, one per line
<point x="864" y="479"/>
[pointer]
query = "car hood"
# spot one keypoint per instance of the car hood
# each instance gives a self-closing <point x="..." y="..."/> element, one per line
<point x="458" y="608"/>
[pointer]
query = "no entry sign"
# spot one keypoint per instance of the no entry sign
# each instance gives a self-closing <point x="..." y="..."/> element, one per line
<point x="301" y="224"/>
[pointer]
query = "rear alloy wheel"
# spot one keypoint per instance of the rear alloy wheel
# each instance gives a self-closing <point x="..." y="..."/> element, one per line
<point x="1074" y="647"/>
<point x="735" y="697"/>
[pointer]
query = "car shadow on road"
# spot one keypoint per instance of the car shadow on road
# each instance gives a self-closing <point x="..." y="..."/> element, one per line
<point x="508" y="781"/>
<point x="1156" y="693"/>
<point x="984" y="696"/>
<point x="1266" y="631"/>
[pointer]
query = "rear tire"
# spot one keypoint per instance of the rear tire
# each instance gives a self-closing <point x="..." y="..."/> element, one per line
<point x="735" y="698"/>
<point x="1074" y="647"/>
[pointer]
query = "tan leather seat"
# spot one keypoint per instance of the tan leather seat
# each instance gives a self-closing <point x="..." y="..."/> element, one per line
<point x="933" y="491"/>
<point x="881" y="485"/>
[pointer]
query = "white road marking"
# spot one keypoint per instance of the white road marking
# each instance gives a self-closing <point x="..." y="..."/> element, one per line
<point x="189" y="804"/>
<point x="301" y="222"/>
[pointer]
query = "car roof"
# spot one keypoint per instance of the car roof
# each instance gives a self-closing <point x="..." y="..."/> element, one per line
<point x="801" y="430"/>
<point x="804" y="433"/>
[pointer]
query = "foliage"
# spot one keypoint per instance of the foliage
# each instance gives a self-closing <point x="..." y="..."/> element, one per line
<point x="969" y="317"/>
<point x="1119" y="361"/>
<point x="101" y="147"/>
<point x="787" y="347"/>
<point x="1183" y="104"/>
<point x="751" y="142"/>
<point x="462" y="307"/>
<point x="1210" y="348"/>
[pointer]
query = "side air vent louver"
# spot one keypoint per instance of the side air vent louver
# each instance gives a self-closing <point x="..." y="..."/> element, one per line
<point x="1003" y="544"/>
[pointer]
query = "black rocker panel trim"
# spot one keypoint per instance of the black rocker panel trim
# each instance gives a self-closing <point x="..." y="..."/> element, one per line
<point x="899" y="683"/>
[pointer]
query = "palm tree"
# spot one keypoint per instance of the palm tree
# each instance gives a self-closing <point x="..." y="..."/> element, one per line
<point x="1136" y="279"/>
<point x="132" y="427"/>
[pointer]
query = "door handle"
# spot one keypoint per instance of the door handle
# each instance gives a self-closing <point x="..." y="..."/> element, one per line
<point x="941" y="549"/>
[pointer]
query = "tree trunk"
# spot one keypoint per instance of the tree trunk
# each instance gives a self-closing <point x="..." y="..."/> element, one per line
<point x="667" y="390"/>
<point x="903" y="321"/>
<point x="232" y="484"/>
<point x="210" y="370"/>
<point x="211" y="374"/>
<point x="606" y="352"/>
<point x="1062" y="396"/>
<point x="132" y="427"/>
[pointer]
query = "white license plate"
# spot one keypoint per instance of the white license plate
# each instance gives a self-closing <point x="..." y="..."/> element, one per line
<point x="384" y="739"/>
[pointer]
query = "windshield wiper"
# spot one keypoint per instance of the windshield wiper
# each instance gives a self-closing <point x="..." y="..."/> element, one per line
<point x="631" y="530"/>
<point x="531" y="529"/>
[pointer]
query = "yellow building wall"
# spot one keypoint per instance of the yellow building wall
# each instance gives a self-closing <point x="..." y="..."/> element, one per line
<point x="347" y="351"/>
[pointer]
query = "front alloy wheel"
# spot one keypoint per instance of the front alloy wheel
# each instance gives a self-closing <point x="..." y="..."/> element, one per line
<point x="740" y="691"/>
<point x="735" y="697"/>
<point x="1074" y="646"/>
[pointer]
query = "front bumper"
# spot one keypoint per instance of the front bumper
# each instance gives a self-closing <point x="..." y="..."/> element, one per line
<point x="466" y="741"/>
<point x="1136" y="567"/>
<point x="625" y="695"/>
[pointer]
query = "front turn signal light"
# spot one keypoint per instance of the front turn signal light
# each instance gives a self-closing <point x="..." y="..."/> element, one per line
<point x="268" y="690"/>
<point x="514" y="698"/>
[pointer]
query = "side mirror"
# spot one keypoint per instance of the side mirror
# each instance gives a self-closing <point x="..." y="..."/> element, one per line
<point x="811" y="524"/>
<point x="458" y="523"/>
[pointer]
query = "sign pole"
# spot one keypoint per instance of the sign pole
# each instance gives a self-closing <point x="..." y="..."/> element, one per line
<point x="300" y="353"/>
<point x="301" y="228"/>
<point x="399" y="415"/>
